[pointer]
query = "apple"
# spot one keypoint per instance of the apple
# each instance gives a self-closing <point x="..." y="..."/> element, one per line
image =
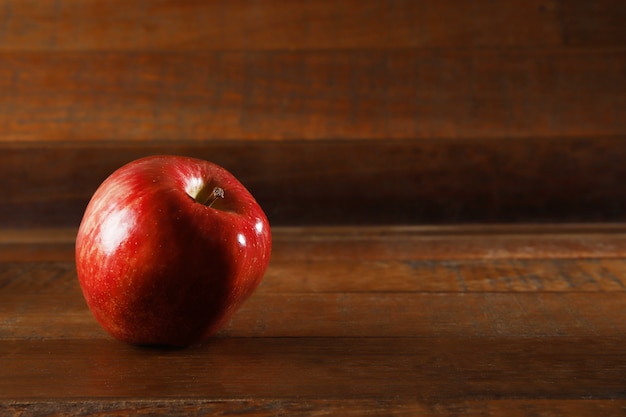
<point x="168" y="249"/>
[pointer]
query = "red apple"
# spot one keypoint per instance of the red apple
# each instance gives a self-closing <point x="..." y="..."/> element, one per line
<point x="169" y="247"/>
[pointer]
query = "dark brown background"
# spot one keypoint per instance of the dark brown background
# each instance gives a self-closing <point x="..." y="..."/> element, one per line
<point x="350" y="112"/>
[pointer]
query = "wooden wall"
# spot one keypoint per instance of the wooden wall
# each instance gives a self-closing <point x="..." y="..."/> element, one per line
<point x="331" y="112"/>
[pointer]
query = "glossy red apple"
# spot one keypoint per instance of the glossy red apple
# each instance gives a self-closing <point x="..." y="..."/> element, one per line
<point x="168" y="249"/>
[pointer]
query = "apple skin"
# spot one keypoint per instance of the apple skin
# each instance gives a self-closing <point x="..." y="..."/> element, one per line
<point x="157" y="267"/>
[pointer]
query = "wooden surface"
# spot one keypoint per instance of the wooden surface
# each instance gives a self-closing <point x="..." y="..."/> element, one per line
<point x="514" y="320"/>
<point x="85" y="70"/>
<point x="437" y="110"/>
<point x="364" y="182"/>
<point x="388" y="94"/>
<point x="444" y="179"/>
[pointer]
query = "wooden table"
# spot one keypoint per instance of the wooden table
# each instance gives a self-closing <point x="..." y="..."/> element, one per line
<point x="465" y="321"/>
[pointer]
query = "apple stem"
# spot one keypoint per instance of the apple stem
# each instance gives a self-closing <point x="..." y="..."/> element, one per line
<point x="215" y="194"/>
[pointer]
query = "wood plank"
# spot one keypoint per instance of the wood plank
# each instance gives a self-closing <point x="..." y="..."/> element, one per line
<point x="285" y="276"/>
<point x="437" y="276"/>
<point x="323" y="292"/>
<point x="593" y="23"/>
<point x="37" y="245"/>
<point x="396" y="315"/>
<point x="61" y="313"/>
<point x="304" y="407"/>
<point x="425" y="370"/>
<point x="348" y="182"/>
<point x="193" y="25"/>
<point x="466" y="336"/>
<point x="410" y="244"/>
<point x="270" y="24"/>
<point x="360" y="94"/>
<point x="406" y="243"/>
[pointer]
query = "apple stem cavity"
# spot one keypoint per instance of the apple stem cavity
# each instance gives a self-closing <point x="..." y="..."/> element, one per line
<point x="217" y="193"/>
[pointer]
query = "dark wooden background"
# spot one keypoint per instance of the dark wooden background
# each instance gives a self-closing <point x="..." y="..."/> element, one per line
<point x="331" y="112"/>
<point x="444" y="178"/>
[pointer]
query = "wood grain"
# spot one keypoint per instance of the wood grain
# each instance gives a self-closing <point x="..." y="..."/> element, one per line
<point x="348" y="282"/>
<point x="388" y="330"/>
<point x="348" y="120"/>
<point x="485" y="112"/>
<point x="327" y="182"/>
<point x="360" y="94"/>
<point x="268" y="24"/>
<point x="415" y="369"/>
<point x="593" y="23"/>
<point x="414" y="245"/>
<point x="188" y="25"/>
<point x="306" y="407"/>
<point x="367" y="315"/>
